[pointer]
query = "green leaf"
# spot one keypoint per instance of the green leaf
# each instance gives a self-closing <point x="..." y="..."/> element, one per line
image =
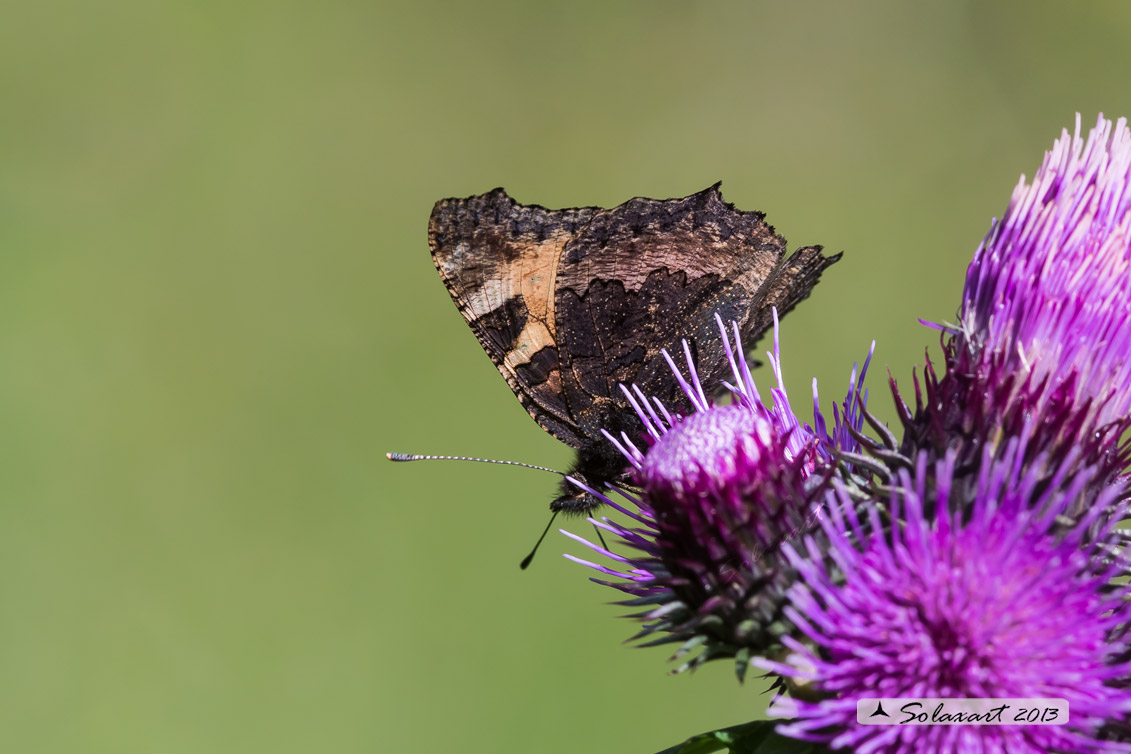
<point x="757" y="737"/>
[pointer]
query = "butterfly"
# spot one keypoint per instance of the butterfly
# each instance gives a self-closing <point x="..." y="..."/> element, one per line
<point x="569" y="304"/>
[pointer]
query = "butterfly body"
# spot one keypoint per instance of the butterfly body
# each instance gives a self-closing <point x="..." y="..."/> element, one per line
<point x="570" y="304"/>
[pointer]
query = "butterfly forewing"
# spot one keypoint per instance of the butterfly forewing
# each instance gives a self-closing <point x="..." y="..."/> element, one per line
<point x="499" y="260"/>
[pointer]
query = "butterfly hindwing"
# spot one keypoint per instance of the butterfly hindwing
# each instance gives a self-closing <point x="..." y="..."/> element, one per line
<point x="641" y="277"/>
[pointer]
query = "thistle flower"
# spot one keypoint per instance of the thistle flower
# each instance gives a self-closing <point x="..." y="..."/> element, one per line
<point x="722" y="489"/>
<point x="988" y="563"/>
<point x="1049" y="290"/>
<point x="1045" y="323"/>
<point x="982" y="598"/>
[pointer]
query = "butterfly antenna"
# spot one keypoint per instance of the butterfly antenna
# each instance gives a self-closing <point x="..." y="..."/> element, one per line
<point x="402" y="457"/>
<point x="526" y="561"/>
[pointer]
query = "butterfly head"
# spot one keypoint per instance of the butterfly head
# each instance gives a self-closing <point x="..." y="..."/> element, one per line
<point x="598" y="465"/>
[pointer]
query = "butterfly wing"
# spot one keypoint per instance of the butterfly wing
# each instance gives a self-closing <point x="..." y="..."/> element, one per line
<point x="640" y="277"/>
<point x="499" y="260"/>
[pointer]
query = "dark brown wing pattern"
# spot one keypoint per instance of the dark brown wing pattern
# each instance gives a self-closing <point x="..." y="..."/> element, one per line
<point x="639" y="278"/>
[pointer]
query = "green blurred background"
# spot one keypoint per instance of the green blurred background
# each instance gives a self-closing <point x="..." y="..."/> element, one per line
<point x="218" y="312"/>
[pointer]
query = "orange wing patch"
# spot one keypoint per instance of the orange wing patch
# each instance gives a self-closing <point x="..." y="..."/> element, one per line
<point x="500" y="263"/>
<point x="538" y="274"/>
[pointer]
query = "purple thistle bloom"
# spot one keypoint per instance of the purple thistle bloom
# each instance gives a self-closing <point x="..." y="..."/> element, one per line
<point x="1049" y="290"/>
<point x="722" y="489"/>
<point x="981" y="598"/>
<point x="1045" y="323"/>
<point x="981" y="560"/>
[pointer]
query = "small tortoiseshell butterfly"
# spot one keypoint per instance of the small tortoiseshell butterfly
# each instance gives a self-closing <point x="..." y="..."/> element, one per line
<point x="571" y="303"/>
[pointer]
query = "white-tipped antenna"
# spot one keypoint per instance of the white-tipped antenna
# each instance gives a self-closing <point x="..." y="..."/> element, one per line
<point x="401" y="457"/>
